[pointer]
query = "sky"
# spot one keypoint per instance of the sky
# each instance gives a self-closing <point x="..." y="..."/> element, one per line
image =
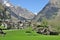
<point x="32" y="5"/>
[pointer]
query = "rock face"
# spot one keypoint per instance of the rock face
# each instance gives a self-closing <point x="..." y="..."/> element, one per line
<point x="17" y="12"/>
<point x="15" y="17"/>
<point x="1" y="1"/>
<point x="11" y="15"/>
<point x="24" y="12"/>
<point x="50" y="11"/>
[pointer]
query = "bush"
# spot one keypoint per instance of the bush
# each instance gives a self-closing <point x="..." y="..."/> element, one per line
<point x="40" y="26"/>
<point x="28" y="31"/>
<point x="44" y="22"/>
<point x="2" y="27"/>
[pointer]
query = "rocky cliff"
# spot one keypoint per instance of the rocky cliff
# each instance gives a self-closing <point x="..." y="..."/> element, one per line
<point x="50" y="11"/>
<point x="17" y="12"/>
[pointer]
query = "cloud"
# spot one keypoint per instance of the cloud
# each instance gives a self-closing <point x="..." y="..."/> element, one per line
<point x="6" y="2"/>
<point x="35" y="13"/>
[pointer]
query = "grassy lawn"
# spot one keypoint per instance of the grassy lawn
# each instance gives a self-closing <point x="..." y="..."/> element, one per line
<point x="22" y="35"/>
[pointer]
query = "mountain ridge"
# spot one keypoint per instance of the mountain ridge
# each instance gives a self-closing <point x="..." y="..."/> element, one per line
<point x="17" y="12"/>
<point x="50" y="11"/>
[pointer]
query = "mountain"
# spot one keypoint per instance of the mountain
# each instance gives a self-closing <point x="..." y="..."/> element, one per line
<point x="1" y="1"/>
<point x="50" y="11"/>
<point x="17" y="12"/>
<point x="24" y="13"/>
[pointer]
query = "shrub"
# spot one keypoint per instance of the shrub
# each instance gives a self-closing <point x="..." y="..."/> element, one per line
<point x="44" y="22"/>
<point x="28" y="31"/>
<point x="2" y="27"/>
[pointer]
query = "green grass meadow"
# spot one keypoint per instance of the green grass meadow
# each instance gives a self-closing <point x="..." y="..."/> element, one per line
<point x="22" y="35"/>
